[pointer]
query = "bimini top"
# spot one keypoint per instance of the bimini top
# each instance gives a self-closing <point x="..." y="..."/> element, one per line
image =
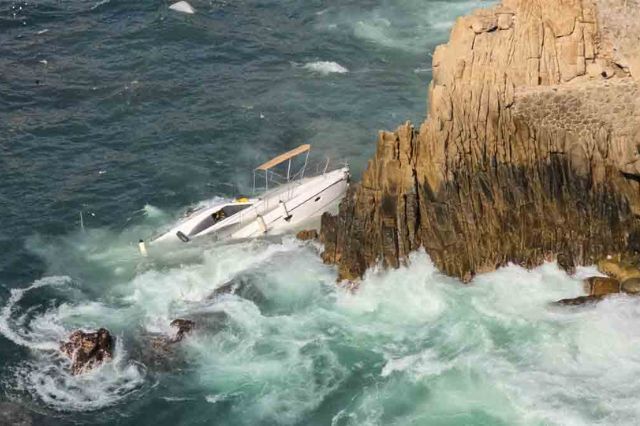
<point x="284" y="157"/>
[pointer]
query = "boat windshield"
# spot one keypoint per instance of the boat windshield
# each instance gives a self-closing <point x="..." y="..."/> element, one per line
<point x="218" y="216"/>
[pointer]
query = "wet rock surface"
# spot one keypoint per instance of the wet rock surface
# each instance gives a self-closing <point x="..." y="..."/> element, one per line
<point x="601" y="286"/>
<point x="162" y="352"/>
<point x="88" y="350"/>
<point x="619" y="268"/>
<point x="527" y="153"/>
<point x="307" y="234"/>
<point x="183" y="326"/>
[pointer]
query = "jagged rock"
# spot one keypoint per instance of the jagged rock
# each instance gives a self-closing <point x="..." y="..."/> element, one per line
<point x="88" y="350"/>
<point x="307" y="234"/>
<point x="631" y="286"/>
<point x="14" y="415"/>
<point x="523" y="153"/>
<point x="184" y="326"/>
<point x="601" y="286"/>
<point x="158" y="350"/>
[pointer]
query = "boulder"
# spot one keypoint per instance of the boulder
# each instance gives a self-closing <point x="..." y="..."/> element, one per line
<point x="601" y="286"/>
<point x="88" y="350"/>
<point x="631" y="286"/>
<point x="307" y="234"/>
<point x="620" y="268"/>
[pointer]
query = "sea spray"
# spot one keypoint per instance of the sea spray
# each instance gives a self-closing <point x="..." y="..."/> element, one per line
<point x="326" y="67"/>
<point x="406" y="26"/>
<point x="407" y="345"/>
<point x="46" y="374"/>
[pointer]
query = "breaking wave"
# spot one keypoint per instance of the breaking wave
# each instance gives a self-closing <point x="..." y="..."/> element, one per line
<point x="45" y="375"/>
<point x="409" y="345"/>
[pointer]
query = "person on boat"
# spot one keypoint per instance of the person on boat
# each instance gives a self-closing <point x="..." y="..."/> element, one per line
<point x="219" y="215"/>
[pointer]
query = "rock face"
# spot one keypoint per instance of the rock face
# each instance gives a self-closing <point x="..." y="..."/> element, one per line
<point x="530" y="151"/>
<point x="88" y="350"/>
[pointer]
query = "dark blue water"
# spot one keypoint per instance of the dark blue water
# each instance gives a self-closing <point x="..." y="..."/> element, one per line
<point x="127" y="112"/>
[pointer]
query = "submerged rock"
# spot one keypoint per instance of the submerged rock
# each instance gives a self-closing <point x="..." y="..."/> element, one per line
<point x="159" y="350"/>
<point x="242" y="287"/>
<point x="581" y="300"/>
<point x="88" y="350"/>
<point x="162" y="351"/>
<point x="523" y="153"/>
<point x="184" y="326"/>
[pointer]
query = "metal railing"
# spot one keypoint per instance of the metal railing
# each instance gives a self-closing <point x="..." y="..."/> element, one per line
<point x="275" y="181"/>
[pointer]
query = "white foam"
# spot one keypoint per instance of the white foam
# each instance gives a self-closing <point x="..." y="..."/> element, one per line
<point x="46" y="374"/>
<point x="212" y="399"/>
<point x="48" y="337"/>
<point x="182" y="7"/>
<point x="417" y="346"/>
<point x="100" y="3"/>
<point x="47" y="378"/>
<point x="325" y="67"/>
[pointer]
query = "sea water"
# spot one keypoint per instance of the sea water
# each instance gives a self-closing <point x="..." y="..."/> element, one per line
<point x="125" y="112"/>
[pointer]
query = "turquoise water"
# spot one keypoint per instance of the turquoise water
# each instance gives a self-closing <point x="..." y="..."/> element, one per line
<point x="128" y="112"/>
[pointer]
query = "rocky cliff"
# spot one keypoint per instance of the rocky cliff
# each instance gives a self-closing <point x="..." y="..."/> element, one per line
<point x="530" y="149"/>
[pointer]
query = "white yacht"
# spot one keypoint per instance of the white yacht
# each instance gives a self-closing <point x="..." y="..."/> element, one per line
<point x="287" y="200"/>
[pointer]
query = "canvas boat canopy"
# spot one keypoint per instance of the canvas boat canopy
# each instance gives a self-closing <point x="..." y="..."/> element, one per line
<point x="284" y="157"/>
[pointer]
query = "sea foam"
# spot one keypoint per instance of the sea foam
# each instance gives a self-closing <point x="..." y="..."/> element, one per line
<point x="417" y="346"/>
<point x="325" y="67"/>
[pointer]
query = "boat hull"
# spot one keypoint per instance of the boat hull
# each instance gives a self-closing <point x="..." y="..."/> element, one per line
<point x="277" y="211"/>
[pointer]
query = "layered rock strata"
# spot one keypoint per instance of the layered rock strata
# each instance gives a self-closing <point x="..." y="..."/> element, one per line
<point x="530" y="150"/>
